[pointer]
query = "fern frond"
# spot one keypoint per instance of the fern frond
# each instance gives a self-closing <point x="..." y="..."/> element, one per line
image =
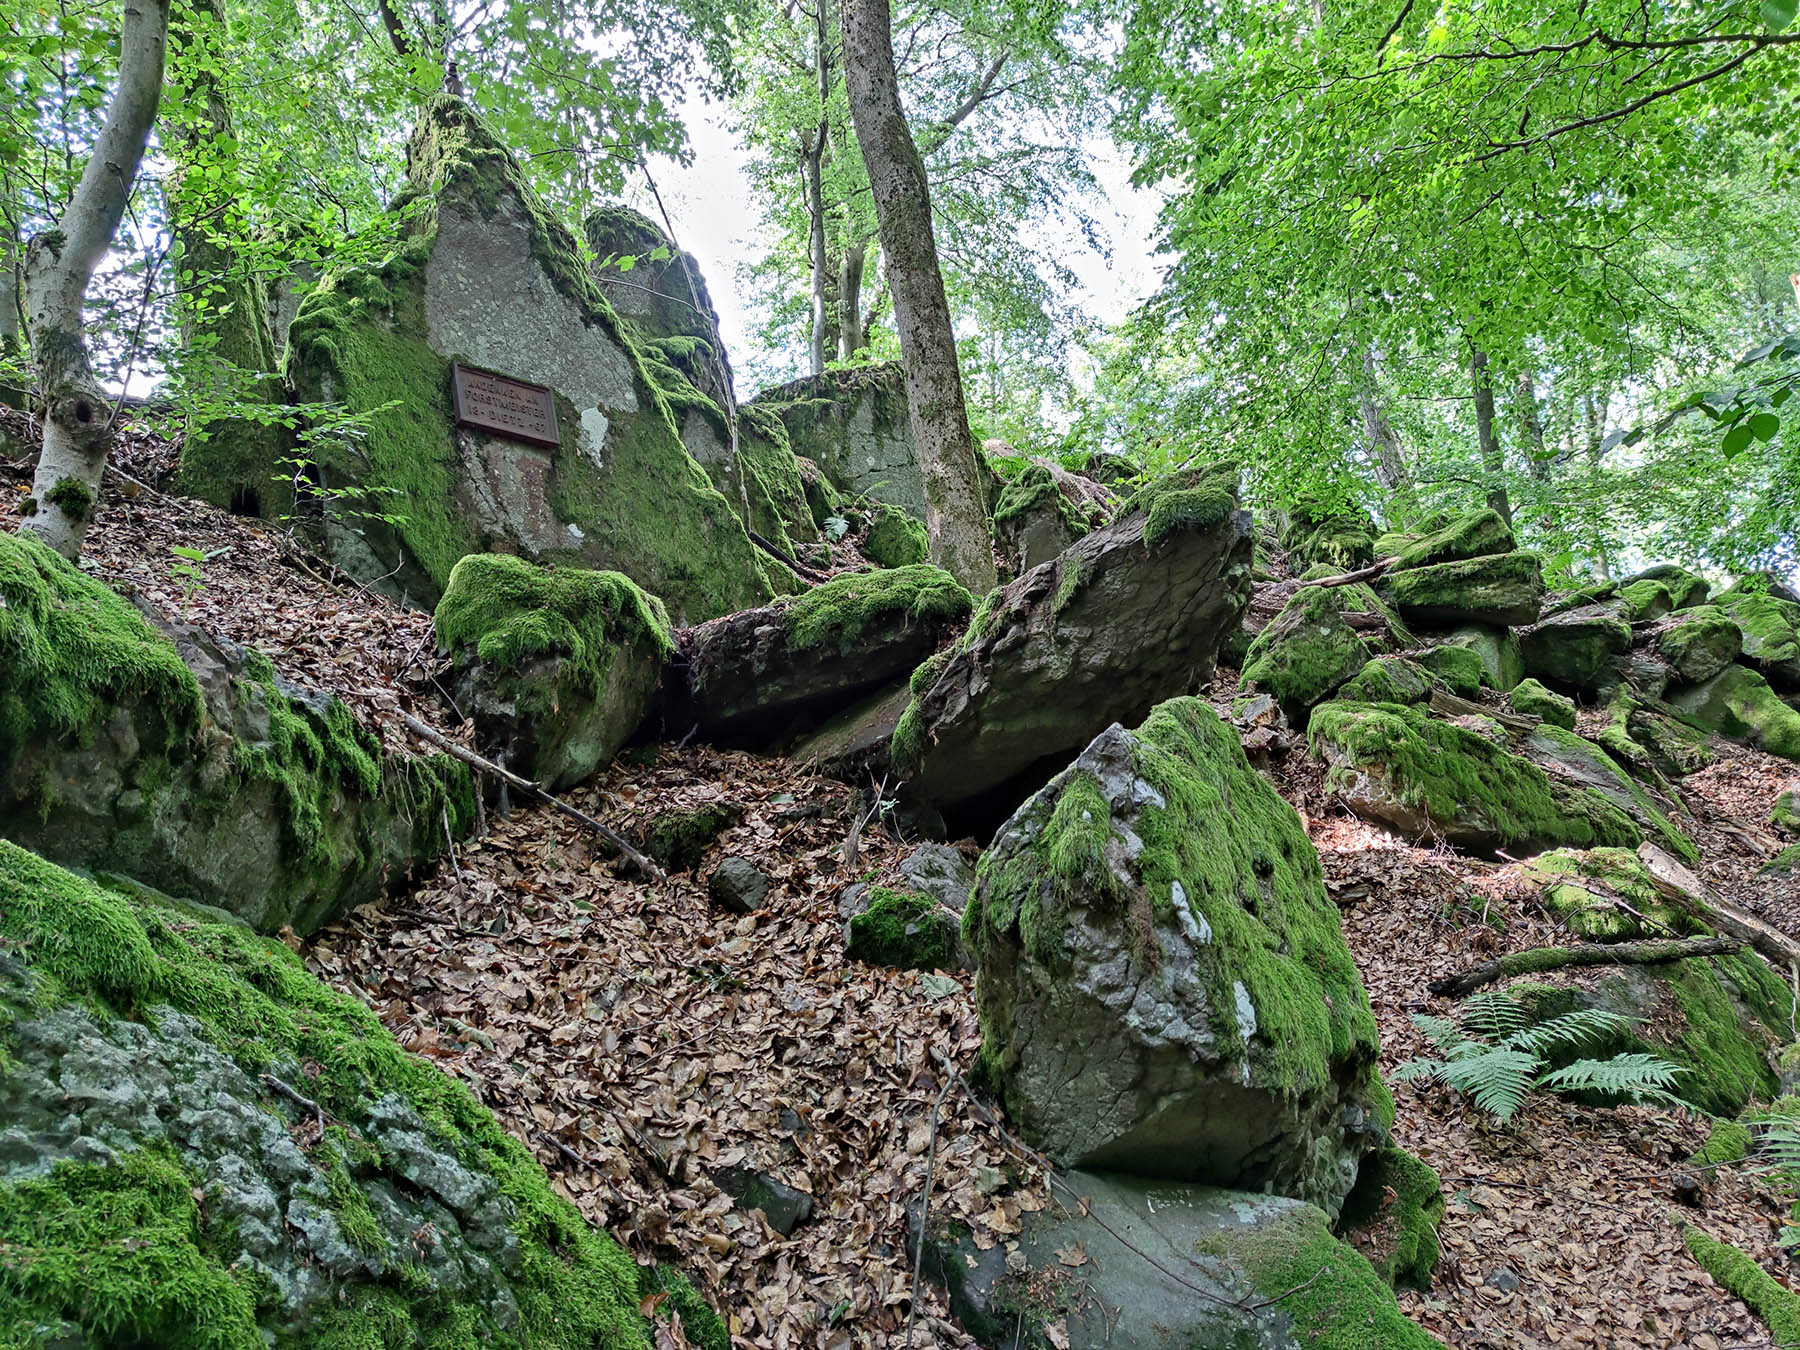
<point x="1778" y="1144"/>
<point x="1416" y="1068"/>
<point x="1583" y="1026"/>
<point x="1440" y="1031"/>
<point x="1639" y="1077"/>
<point x="1497" y="1082"/>
<point x="1494" y="1014"/>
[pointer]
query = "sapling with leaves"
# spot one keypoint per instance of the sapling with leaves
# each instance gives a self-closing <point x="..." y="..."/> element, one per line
<point x="1497" y="1055"/>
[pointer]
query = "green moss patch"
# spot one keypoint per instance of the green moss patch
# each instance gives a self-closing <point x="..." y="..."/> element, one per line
<point x="1739" y="705"/>
<point x="1033" y="489"/>
<point x="1604" y="895"/>
<point x="1396" y="1208"/>
<point x="1389" y="679"/>
<point x="1728" y="1141"/>
<point x="1337" y="534"/>
<point x="1458" y="667"/>
<point x="1305" y="653"/>
<point x="1533" y="700"/>
<point x="1503" y="588"/>
<point x="902" y="930"/>
<point x="679" y="839"/>
<point x="1474" y="535"/>
<point x="1774" y="1304"/>
<point x="1700" y="642"/>
<point x="837" y="612"/>
<point x="1193" y="499"/>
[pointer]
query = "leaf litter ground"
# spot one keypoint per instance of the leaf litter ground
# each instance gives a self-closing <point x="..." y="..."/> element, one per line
<point x="641" y="1041"/>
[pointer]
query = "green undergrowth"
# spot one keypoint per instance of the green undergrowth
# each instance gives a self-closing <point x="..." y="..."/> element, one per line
<point x="71" y="650"/>
<point x="1227" y="846"/>
<point x="123" y="1250"/>
<point x="1445" y="769"/>
<point x="903" y="930"/>
<point x="1775" y="1305"/>
<point x="842" y="609"/>
<point x="511" y="611"/>
<point x="1400" y="1202"/>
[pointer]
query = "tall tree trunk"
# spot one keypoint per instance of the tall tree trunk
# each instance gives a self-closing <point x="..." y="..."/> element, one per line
<point x="60" y="263"/>
<point x="12" y="268"/>
<point x="1384" y="442"/>
<point x="1493" y="461"/>
<point x="954" y="514"/>
<point x="853" y="333"/>
<point x="1531" y="431"/>
<point x="814" y="167"/>
<point x="228" y="345"/>
<point x="1593" y="425"/>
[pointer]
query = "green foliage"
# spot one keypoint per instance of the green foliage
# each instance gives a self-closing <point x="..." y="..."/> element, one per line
<point x="1495" y="1055"/>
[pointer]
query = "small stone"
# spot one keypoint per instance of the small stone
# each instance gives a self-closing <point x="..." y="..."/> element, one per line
<point x="737" y="885"/>
<point x="785" y="1207"/>
<point x="1505" y="1280"/>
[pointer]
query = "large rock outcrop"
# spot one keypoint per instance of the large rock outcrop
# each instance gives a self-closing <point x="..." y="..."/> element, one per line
<point x="486" y="276"/>
<point x="1128" y="616"/>
<point x="1771" y="626"/>
<point x="201" y="1144"/>
<point x="1741" y="706"/>
<point x="1502" y="589"/>
<point x="191" y="765"/>
<point x="855" y="426"/>
<point x="1579" y="648"/>
<point x="763" y="675"/>
<point x="1153" y="926"/>
<point x="556" y="667"/>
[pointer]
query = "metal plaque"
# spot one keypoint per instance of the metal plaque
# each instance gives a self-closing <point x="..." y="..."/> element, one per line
<point x="504" y="406"/>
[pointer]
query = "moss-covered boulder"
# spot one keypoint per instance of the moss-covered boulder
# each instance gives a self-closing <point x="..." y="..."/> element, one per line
<point x="1771" y="627"/>
<point x="1128" y="616"/>
<point x="681" y="837"/>
<point x="1579" y="648"/>
<point x="1502" y="661"/>
<point x="1604" y="895"/>
<point x="1331" y="533"/>
<point x="904" y="930"/>
<point x="1035" y="519"/>
<point x="1257" y="1272"/>
<point x="1784" y="864"/>
<point x="1699" y="642"/>
<point x="1684" y="589"/>
<point x="1576" y="761"/>
<point x="854" y="424"/>
<point x="1153" y="925"/>
<point x="1533" y="700"/>
<point x="557" y="667"/>
<point x="193" y="766"/>
<point x="1786" y="815"/>
<point x="1458" y="668"/>
<point x="895" y="539"/>
<point x="203" y="1145"/>
<point x="1429" y="778"/>
<point x="1305" y="653"/>
<point x="1501" y="588"/>
<point x="617" y="490"/>
<point x="1474" y="535"/>
<point x="763" y="676"/>
<point x="1389" y="679"/>
<point x="1739" y="705"/>
<point x="1393" y="1217"/>
<point x="1645" y="601"/>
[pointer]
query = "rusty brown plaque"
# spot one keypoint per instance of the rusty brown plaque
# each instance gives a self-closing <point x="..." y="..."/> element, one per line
<point x="504" y="406"/>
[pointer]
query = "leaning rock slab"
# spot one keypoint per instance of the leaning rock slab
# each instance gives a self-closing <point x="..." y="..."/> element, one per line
<point x="557" y="668"/>
<point x="762" y="675"/>
<point x="1578" y="648"/>
<point x="1226" y="1269"/>
<point x="1130" y="615"/>
<point x="1429" y="778"/>
<point x="1153" y="926"/>
<point x="1501" y="589"/>
<point x="1739" y="705"/>
<point x="191" y="765"/>
<point x="1474" y="535"/>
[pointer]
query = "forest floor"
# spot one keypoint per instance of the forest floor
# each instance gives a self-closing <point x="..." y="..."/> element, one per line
<point x="639" y="1040"/>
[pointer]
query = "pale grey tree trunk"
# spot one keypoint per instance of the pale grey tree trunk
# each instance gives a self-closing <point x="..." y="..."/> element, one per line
<point x="1384" y="442"/>
<point x="954" y="514"/>
<point x="1595" y="428"/>
<point x="852" y="331"/>
<point x="1493" y="459"/>
<point x="12" y="267"/>
<point x="60" y="263"/>
<point x="814" y="168"/>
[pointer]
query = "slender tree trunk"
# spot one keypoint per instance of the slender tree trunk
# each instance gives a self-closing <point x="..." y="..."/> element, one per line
<point x="1493" y="461"/>
<point x="12" y="269"/>
<point x="60" y="263"/>
<point x="815" y="192"/>
<point x="852" y="334"/>
<point x="1590" y="416"/>
<point x="1531" y="431"/>
<point x="228" y="346"/>
<point x="1383" y="441"/>
<point x="954" y="514"/>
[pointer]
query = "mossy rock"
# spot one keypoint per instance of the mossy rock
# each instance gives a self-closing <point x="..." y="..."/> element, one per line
<point x="895" y="539"/>
<point x="1786" y="813"/>
<point x="254" y="795"/>
<point x="1502" y="661"/>
<point x="1474" y="535"/>
<point x="902" y="930"/>
<point x="1429" y="778"/>
<point x="617" y="491"/>
<point x="1604" y="895"/>
<point x="1034" y="519"/>
<point x="1670" y="745"/>
<point x="1739" y="705"/>
<point x="1458" y="668"/>
<point x="680" y="838"/>
<point x="1389" y="679"/>
<point x="1784" y="864"/>
<point x="1337" y="534"/>
<point x="1574" y="759"/>
<point x="1395" y="1211"/>
<point x="1771" y="628"/>
<point x="1700" y="642"/>
<point x="1305" y="653"/>
<point x="1161" y="858"/>
<point x="1533" y="700"/>
<point x="1646" y="600"/>
<point x="1728" y="1141"/>
<point x="1503" y="589"/>
<point x="415" y="1218"/>
<point x="1685" y="590"/>
<point x="1578" y="648"/>
<point x="1775" y="1305"/>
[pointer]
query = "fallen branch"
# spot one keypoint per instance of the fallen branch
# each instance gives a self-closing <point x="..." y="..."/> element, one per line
<point x="1373" y="570"/>
<point x="532" y="790"/>
<point x="1681" y="888"/>
<point x="301" y="1100"/>
<point x="801" y="568"/>
<point x="1540" y="959"/>
<point x="1449" y="705"/>
<point x="912" y="1310"/>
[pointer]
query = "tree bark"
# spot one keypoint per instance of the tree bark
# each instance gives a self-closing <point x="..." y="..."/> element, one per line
<point x="228" y="343"/>
<point x="1493" y="461"/>
<point x="1384" y="442"/>
<point x="814" y="169"/>
<point x="12" y="269"/>
<point x="1534" y="962"/>
<point x="853" y="332"/>
<point x="1590" y="412"/>
<point x="59" y="265"/>
<point x="954" y="514"/>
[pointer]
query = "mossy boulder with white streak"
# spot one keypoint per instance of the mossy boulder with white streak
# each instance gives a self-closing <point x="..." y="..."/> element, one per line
<point x="1152" y="925"/>
<point x="556" y="667"/>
